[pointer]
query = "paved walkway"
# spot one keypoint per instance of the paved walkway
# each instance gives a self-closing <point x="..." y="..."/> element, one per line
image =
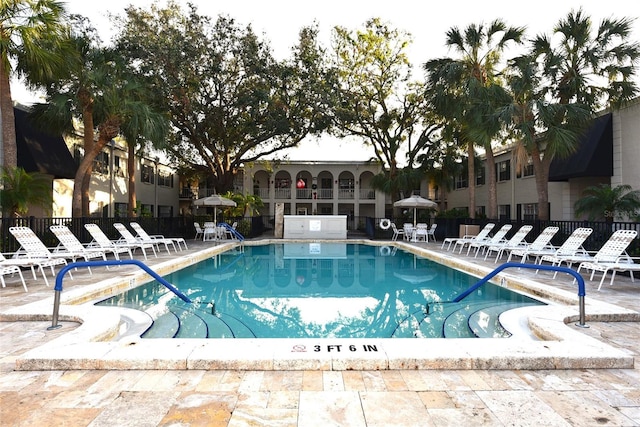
<point x="592" y="397"/>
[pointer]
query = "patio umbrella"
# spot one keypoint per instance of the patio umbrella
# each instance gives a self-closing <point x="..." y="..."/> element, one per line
<point x="215" y="201"/>
<point x="415" y="202"/>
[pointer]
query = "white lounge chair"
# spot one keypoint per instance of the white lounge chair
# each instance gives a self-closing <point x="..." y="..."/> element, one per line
<point x="613" y="249"/>
<point x="514" y="242"/>
<point x="612" y="257"/>
<point x="542" y="244"/>
<point x="100" y="240"/>
<point x="624" y="263"/>
<point x="462" y="241"/>
<point x="35" y="253"/>
<point x="571" y="246"/>
<point x="143" y="235"/>
<point x="130" y="239"/>
<point x="7" y="267"/>
<point x="497" y="239"/>
<point x="71" y="244"/>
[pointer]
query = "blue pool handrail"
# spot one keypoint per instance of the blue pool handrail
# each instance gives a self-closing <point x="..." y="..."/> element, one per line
<point x="66" y="268"/>
<point x="232" y="230"/>
<point x="575" y="274"/>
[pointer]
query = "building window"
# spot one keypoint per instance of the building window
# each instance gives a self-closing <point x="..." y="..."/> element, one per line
<point x="504" y="211"/>
<point x="345" y="184"/>
<point x="526" y="170"/>
<point x="461" y="181"/>
<point x="146" y="174"/>
<point x="283" y="183"/>
<point x="146" y="210"/>
<point x="480" y="176"/>
<point x="118" y="170"/>
<point x="326" y="183"/>
<point x="165" y="211"/>
<point x="165" y="179"/>
<point x="121" y="209"/>
<point x="530" y="211"/>
<point x="101" y="163"/>
<point x="481" y="211"/>
<point x="504" y="170"/>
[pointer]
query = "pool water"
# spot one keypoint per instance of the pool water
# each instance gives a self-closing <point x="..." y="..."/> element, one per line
<point x="321" y="290"/>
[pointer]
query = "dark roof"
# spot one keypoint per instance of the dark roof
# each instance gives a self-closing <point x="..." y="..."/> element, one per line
<point x="594" y="156"/>
<point x="39" y="151"/>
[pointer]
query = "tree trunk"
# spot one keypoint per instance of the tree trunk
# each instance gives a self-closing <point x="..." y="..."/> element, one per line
<point x="471" y="178"/>
<point x="541" y="169"/>
<point x="108" y="131"/>
<point x="88" y="141"/>
<point x="8" y="137"/>
<point x="492" y="211"/>
<point x="131" y="180"/>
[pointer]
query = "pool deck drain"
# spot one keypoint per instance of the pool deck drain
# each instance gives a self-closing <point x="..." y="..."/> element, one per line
<point x="543" y="337"/>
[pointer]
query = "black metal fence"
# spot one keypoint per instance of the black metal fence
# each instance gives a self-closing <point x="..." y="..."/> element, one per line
<point x="183" y="227"/>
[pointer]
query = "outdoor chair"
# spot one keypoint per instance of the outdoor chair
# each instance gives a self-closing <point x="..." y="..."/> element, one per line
<point x="540" y="244"/>
<point x="101" y="241"/>
<point x="71" y="244"/>
<point x="7" y="267"/>
<point x="199" y="231"/>
<point x="144" y="236"/>
<point x="431" y="233"/>
<point x="130" y="239"/>
<point x="612" y="250"/>
<point x="396" y="232"/>
<point x="622" y="264"/>
<point x="514" y="242"/>
<point x="33" y="253"/>
<point x="462" y="241"/>
<point x="497" y="239"/>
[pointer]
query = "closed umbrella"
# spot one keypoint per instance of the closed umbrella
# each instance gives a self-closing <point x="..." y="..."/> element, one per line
<point x="215" y="201"/>
<point x="415" y="202"/>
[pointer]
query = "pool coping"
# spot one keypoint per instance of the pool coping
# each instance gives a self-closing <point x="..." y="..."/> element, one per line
<point x="543" y="337"/>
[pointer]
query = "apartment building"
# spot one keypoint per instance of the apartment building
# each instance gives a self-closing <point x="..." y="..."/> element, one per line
<point x="609" y="153"/>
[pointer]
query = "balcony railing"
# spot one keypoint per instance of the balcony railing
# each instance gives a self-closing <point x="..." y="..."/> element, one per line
<point x="325" y="193"/>
<point x="282" y="193"/>
<point x="263" y="193"/>
<point x="367" y="194"/>
<point x="346" y="194"/>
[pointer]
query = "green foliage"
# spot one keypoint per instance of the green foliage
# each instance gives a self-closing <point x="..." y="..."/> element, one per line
<point x="376" y="100"/>
<point x="230" y="102"/>
<point x="22" y="189"/>
<point x="603" y="202"/>
<point x="248" y="205"/>
<point x="33" y="45"/>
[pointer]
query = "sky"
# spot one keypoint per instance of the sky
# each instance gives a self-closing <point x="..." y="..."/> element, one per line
<point x="427" y="22"/>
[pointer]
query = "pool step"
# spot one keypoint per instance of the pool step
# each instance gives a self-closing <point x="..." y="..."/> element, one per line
<point x="192" y="325"/>
<point x="485" y="323"/>
<point x="165" y="325"/>
<point x="456" y="325"/>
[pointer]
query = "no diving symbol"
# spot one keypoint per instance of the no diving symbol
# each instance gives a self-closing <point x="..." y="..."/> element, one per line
<point x="299" y="349"/>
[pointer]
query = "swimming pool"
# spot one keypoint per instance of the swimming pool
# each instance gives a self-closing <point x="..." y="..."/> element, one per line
<point x="321" y="290"/>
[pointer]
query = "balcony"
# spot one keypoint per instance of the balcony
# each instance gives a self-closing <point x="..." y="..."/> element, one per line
<point x="367" y="194"/>
<point x="346" y="194"/>
<point x="325" y="193"/>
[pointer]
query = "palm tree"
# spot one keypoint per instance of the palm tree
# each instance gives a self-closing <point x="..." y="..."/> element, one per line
<point x="465" y="90"/>
<point x="543" y="129"/>
<point x="101" y="91"/>
<point x="602" y="201"/>
<point x="33" y="37"/>
<point x="556" y="89"/>
<point x="22" y="190"/>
